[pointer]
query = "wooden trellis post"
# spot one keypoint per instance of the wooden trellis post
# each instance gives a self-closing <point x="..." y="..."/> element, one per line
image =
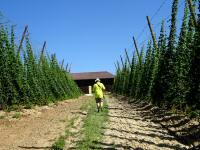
<point x="42" y="51"/>
<point x="152" y="33"/>
<point x="127" y="57"/>
<point x="22" y="39"/>
<point x="192" y="11"/>
<point x="62" y="64"/>
<point x="137" y="51"/>
<point x="43" y="47"/>
<point x="122" y="61"/>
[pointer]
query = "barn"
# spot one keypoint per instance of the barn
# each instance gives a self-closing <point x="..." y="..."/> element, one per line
<point x="85" y="80"/>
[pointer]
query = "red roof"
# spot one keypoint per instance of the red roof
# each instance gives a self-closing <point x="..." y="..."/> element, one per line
<point x="92" y="75"/>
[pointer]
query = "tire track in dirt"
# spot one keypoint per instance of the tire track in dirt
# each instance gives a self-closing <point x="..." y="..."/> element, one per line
<point x="127" y="129"/>
<point x="76" y="130"/>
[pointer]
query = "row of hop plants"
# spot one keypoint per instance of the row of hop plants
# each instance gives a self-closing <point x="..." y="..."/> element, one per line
<point x="27" y="79"/>
<point x="166" y="73"/>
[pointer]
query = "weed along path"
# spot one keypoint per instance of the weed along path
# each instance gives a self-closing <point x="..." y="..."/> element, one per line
<point x="39" y="128"/>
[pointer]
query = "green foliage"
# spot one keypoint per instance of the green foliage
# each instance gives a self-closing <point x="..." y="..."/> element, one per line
<point x="169" y="76"/>
<point x="7" y="74"/>
<point x="59" y="144"/>
<point x="26" y="80"/>
<point x="147" y="72"/>
<point x="17" y="115"/>
<point x="180" y="85"/>
<point x="194" y="92"/>
<point x="140" y="69"/>
<point x="157" y="87"/>
<point x="168" y="71"/>
<point x="131" y="75"/>
<point x="93" y="127"/>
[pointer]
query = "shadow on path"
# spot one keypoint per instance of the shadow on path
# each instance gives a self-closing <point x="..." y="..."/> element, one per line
<point x="185" y="130"/>
<point x="153" y="135"/>
<point x="34" y="147"/>
<point x="113" y="146"/>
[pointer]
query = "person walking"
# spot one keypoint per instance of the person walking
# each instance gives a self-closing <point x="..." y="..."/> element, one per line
<point x="98" y="89"/>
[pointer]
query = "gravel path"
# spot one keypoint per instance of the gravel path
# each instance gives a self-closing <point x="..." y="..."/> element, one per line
<point x="127" y="129"/>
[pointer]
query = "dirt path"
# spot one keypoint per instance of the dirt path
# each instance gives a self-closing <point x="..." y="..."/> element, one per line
<point x="39" y="127"/>
<point x="127" y="129"/>
<point x="75" y="131"/>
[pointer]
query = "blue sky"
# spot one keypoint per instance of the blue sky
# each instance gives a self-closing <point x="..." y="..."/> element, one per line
<point x="89" y="34"/>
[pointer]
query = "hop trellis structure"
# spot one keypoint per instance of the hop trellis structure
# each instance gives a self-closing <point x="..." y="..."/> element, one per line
<point x="29" y="80"/>
<point x="168" y="75"/>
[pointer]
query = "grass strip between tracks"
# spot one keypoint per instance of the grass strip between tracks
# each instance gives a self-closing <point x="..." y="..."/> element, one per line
<point x="93" y="126"/>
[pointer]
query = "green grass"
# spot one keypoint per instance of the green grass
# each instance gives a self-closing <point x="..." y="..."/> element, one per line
<point x="13" y="108"/>
<point x="2" y="117"/>
<point x="59" y="144"/>
<point x="93" y="127"/>
<point x="17" y="115"/>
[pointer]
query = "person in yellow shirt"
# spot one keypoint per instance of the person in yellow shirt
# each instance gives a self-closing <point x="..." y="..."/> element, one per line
<point x="98" y="89"/>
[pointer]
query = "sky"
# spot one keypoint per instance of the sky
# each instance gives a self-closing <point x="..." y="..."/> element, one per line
<point x="88" y="34"/>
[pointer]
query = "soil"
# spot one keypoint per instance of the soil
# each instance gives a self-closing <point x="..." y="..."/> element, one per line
<point x="128" y="129"/>
<point x="75" y="131"/>
<point x="37" y="128"/>
<point x="131" y="126"/>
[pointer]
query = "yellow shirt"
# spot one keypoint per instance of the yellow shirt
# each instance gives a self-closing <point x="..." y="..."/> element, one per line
<point x="98" y="90"/>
